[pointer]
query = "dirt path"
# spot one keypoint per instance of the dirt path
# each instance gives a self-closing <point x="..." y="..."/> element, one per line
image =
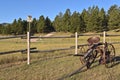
<point x="47" y="35"/>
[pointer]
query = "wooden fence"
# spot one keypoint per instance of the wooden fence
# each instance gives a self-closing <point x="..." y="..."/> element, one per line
<point x="33" y="50"/>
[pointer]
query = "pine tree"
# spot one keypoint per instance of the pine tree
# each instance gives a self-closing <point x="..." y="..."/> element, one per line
<point x="114" y="17"/>
<point x="8" y="29"/>
<point x="41" y="24"/>
<point x="48" y="26"/>
<point x="1" y="28"/>
<point x="14" y="27"/>
<point x="57" y="23"/>
<point x="93" y="21"/>
<point x="25" y="26"/>
<point x="66" y="21"/>
<point x="34" y="26"/>
<point x="20" y="28"/>
<point x="85" y="18"/>
<point x="102" y="21"/>
<point x="77" y="23"/>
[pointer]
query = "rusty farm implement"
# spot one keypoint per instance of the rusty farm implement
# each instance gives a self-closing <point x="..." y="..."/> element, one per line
<point x="104" y="53"/>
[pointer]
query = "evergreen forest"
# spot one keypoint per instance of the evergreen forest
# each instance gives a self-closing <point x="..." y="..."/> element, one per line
<point x="93" y="19"/>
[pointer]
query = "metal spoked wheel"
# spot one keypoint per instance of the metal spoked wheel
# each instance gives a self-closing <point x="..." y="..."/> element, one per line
<point x="109" y="55"/>
<point x="82" y="52"/>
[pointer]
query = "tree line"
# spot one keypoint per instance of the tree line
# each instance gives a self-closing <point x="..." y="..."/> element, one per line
<point x="92" y="19"/>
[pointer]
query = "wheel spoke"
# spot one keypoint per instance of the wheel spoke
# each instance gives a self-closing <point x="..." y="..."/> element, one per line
<point x="109" y="62"/>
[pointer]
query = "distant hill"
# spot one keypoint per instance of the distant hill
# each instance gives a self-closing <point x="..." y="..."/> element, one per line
<point x="4" y="24"/>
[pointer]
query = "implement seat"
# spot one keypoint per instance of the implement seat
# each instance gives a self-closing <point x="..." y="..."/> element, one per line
<point x="93" y="40"/>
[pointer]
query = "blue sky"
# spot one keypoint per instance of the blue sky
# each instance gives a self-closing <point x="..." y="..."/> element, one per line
<point x="14" y="9"/>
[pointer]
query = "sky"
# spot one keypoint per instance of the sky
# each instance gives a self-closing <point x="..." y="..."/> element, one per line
<point x="15" y="9"/>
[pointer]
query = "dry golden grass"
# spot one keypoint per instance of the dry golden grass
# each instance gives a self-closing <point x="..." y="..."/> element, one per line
<point x="53" y="65"/>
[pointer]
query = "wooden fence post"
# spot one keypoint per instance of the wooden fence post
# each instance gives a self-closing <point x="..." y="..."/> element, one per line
<point x="76" y="42"/>
<point x="28" y="48"/>
<point x="104" y="36"/>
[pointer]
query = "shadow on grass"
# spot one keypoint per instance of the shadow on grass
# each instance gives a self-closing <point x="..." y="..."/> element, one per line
<point x="117" y="61"/>
<point x="51" y="57"/>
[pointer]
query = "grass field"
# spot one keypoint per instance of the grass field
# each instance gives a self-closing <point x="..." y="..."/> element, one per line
<point x="52" y="65"/>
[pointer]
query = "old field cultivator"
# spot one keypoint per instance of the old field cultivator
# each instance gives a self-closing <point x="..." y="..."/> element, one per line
<point x="104" y="51"/>
<point x="96" y="51"/>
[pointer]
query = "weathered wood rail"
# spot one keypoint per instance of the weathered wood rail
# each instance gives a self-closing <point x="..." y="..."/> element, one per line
<point x="52" y="50"/>
<point x="15" y="51"/>
<point x="52" y="37"/>
<point x="98" y="34"/>
<point x="71" y="36"/>
<point x="8" y="37"/>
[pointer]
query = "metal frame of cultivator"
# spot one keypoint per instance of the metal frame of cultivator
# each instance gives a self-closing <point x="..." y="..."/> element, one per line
<point x="104" y="51"/>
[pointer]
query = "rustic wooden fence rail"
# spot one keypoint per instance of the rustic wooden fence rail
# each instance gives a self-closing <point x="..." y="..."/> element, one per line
<point x="15" y="51"/>
<point x="9" y="37"/>
<point x="32" y="50"/>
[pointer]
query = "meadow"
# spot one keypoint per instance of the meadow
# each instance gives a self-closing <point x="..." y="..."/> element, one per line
<point x="53" y="65"/>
